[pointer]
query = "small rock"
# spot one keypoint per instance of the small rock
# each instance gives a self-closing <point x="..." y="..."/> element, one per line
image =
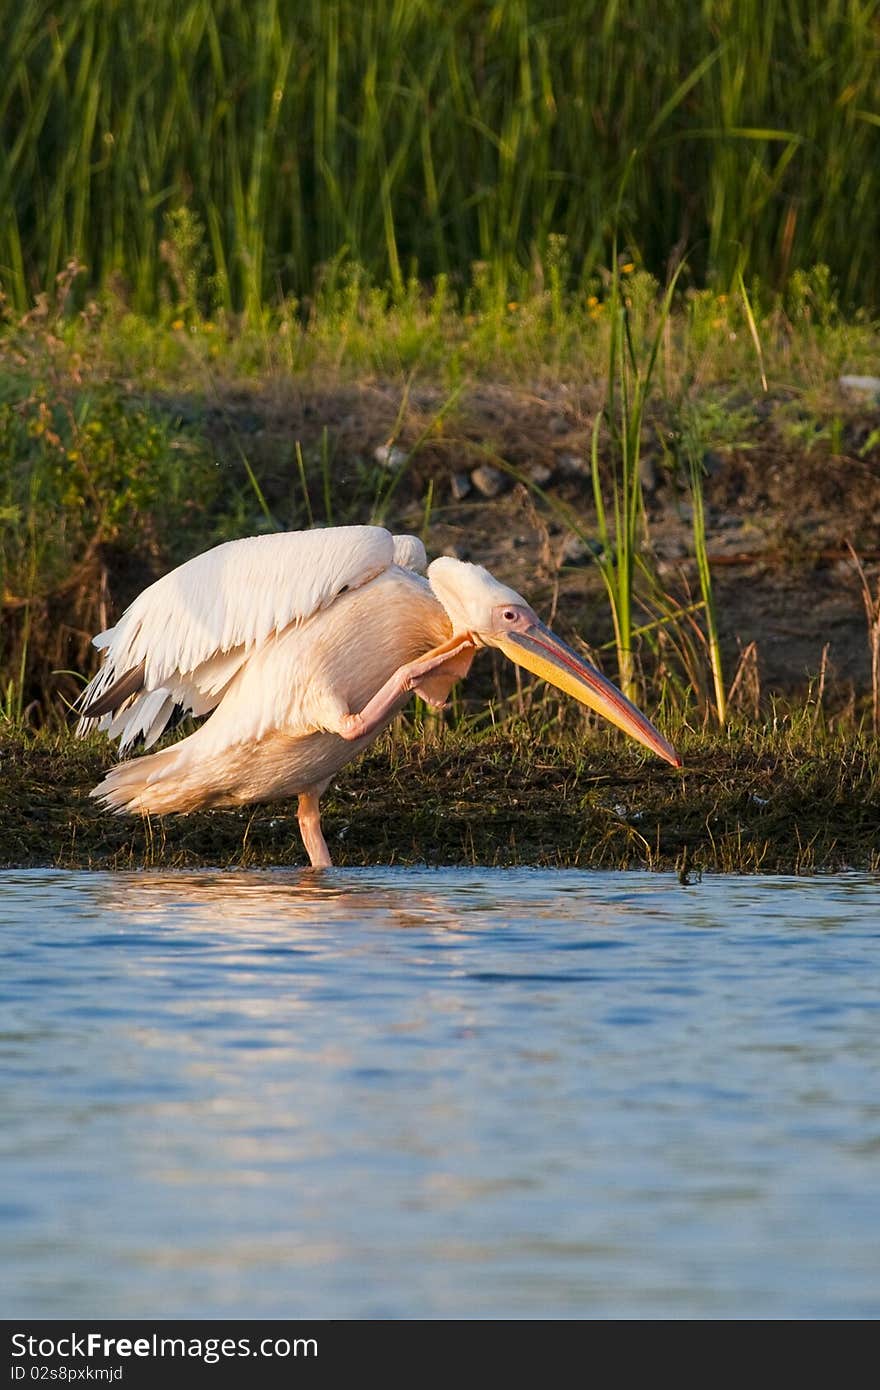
<point x="670" y="548"/>
<point x="579" y="551"/>
<point x="861" y="385"/>
<point x="559" y="425"/>
<point x="488" y="481"/>
<point x="573" y="466"/>
<point x="540" y="474"/>
<point x="459" y="486"/>
<point x="390" y="457"/>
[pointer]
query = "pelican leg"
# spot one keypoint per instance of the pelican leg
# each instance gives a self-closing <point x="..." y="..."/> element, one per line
<point x="309" y="816"/>
<point x="405" y="679"/>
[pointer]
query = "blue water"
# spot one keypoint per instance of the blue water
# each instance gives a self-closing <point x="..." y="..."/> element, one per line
<point x="439" y="1093"/>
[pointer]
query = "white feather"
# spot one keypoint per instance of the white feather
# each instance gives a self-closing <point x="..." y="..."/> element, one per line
<point x="410" y="553"/>
<point x="468" y="592"/>
<point x="148" y="716"/>
<point x="194" y="628"/>
<point x="304" y="678"/>
<point x="274" y="730"/>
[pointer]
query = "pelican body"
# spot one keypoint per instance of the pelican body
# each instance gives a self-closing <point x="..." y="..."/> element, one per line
<point x="302" y="647"/>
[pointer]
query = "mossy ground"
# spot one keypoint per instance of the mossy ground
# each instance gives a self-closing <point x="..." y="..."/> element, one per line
<point x="756" y="800"/>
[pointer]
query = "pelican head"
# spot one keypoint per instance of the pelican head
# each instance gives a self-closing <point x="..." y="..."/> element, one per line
<point x="493" y="615"/>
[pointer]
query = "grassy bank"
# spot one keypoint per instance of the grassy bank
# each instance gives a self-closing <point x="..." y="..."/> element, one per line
<point x="785" y="799"/>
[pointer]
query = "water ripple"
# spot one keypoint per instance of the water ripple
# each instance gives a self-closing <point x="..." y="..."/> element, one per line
<point x="402" y="1093"/>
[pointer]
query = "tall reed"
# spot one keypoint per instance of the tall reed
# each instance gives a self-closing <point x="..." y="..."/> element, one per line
<point x="630" y="373"/>
<point x="871" y="602"/>
<point x="414" y="136"/>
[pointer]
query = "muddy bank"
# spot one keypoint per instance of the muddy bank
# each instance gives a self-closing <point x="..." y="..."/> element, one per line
<point x="756" y="802"/>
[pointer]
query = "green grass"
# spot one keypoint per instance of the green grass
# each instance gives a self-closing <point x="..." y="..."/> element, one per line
<point x="221" y="156"/>
<point x="89" y="483"/>
<point x="360" y="330"/>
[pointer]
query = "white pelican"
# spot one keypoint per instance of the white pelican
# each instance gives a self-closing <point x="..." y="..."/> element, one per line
<point x="305" y="645"/>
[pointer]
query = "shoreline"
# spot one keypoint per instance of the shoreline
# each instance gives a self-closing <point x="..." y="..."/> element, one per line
<point x="769" y="803"/>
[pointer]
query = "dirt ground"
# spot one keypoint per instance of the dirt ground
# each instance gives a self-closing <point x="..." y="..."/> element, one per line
<point x="780" y="511"/>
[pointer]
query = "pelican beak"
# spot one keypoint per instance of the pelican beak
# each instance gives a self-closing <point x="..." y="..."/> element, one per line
<point x="539" y="650"/>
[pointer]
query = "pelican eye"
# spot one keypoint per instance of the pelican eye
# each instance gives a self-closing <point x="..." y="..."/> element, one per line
<point x="508" y="615"/>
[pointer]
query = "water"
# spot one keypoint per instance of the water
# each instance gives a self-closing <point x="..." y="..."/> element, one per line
<point x="414" y="1093"/>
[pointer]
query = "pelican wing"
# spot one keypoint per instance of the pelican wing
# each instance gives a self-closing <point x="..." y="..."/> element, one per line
<point x="181" y="641"/>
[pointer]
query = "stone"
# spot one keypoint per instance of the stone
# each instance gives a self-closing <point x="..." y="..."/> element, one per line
<point x="573" y="466"/>
<point x="539" y="474"/>
<point x="488" y="481"/>
<point x="578" y="550"/>
<point x="390" y="457"/>
<point x="670" y="548"/>
<point x="861" y="385"/>
<point x="459" y="486"/>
